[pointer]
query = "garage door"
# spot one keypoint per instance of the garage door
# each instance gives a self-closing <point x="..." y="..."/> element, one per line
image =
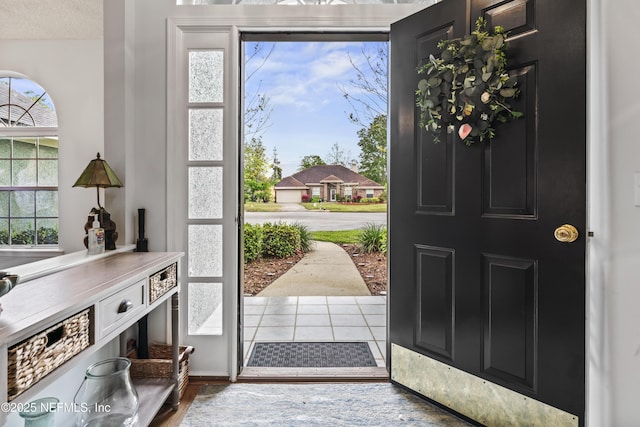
<point x="288" y="196"/>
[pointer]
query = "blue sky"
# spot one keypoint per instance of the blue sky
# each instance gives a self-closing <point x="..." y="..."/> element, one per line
<point x="309" y="112"/>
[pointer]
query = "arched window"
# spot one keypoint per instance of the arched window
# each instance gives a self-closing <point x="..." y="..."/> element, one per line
<point x="28" y="164"/>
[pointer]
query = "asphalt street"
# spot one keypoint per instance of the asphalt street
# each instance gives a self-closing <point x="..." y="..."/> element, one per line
<point x="319" y="220"/>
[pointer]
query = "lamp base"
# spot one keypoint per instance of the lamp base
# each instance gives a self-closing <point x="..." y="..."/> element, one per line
<point x="110" y="233"/>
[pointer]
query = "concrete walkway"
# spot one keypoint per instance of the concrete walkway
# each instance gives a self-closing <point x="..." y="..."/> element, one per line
<point x="325" y="271"/>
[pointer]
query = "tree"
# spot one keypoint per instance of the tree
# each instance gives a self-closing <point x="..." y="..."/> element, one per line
<point x="256" y="167"/>
<point x="368" y="91"/>
<point x="373" y="150"/>
<point x="338" y="156"/>
<point x="311" y="160"/>
<point x="257" y="113"/>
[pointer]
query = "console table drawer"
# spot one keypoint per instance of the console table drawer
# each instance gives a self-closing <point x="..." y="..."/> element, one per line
<point x="119" y="307"/>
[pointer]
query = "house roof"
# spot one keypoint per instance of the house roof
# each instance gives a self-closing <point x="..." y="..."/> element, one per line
<point x="331" y="178"/>
<point x="290" y="183"/>
<point x="328" y="173"/>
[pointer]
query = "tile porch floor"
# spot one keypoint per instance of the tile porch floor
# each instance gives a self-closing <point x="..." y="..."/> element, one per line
<point x="317" y="318"/>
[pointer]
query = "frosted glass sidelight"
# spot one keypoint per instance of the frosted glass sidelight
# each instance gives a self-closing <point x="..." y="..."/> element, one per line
<point x="205" y="308"/>
<point x="205" y="134"/>
<point x="206" y="75"/>
<point x="205" y="192"/>
<point x="205" y="250"/>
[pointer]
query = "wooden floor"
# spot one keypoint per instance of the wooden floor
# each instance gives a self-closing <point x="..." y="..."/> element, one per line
<point x="170" y="418"/>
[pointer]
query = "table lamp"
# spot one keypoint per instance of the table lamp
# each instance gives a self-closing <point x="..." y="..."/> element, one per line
<point x="99" y="174"/>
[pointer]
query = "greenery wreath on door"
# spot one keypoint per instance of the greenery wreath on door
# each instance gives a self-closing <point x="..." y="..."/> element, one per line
<point x="468" y="87"/>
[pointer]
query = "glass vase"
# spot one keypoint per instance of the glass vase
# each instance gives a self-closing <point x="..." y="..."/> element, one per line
<point x="107" y="397"/>
<point x="40" y="412"/>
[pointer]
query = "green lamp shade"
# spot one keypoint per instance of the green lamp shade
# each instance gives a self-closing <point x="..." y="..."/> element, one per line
<point x="98" y="174"/>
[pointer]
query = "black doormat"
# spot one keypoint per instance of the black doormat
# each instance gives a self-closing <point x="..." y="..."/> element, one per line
<point x="311" y="355"/>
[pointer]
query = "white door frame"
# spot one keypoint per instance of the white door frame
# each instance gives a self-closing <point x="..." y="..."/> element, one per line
<point x="223" y="359"/>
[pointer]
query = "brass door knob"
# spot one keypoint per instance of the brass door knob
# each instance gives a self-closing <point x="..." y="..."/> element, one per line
<point x="566" y="233"/>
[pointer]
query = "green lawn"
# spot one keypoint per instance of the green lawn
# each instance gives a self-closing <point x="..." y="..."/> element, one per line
<point x="339" y="237"/>
<point x="261" y="207"/>
<point x="339" y="207"/>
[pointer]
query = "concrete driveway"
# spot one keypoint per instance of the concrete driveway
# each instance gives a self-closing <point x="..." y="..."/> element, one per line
<point x="319" y="220"/>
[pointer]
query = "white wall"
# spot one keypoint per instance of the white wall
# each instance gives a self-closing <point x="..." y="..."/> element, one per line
<point x="72" y="73"/>
<point x="617" y="153"/>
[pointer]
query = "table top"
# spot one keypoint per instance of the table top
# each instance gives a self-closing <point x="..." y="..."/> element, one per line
<point x="37" y="303"/>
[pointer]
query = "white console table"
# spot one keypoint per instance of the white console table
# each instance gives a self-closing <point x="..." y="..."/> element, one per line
<point x="100" y="285"/>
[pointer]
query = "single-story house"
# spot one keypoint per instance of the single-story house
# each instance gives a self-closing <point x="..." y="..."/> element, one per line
<point x="327" y="182"/>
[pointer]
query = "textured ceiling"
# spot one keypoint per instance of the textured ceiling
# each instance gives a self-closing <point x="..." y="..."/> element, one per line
<point x="50" y="19"/>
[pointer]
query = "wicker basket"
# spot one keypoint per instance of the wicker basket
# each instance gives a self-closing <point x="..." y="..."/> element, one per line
<point x="37" y="356"/>
<point x="161" y="282"/>
<point x="159" y="364"/>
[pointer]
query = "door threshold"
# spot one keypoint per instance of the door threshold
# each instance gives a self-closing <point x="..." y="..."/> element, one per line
<point x="253" y="374"/>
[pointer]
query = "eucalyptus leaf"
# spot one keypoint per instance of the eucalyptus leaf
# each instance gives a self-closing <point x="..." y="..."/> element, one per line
<point x="478" y="63"/>
<point x="488" y="43"/>
<point x="491" y="65"/>
<point x="434" y="82"/>
<point x="508" y="92"/>
<point x="448" y="76"/>
<point x="422" y="85"/>
<point x="499" y="41"/>
<point x="434" y="91"/>
<point x="470" y="91"/>
<point x="446" y="55"/>
<point x="485" y="77"/>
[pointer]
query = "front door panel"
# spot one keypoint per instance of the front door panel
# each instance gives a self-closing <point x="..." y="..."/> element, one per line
<point x="478" y="282"/>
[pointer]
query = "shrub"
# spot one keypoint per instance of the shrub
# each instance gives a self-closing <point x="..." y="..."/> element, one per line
<point x="280" y="240"/>
<point x="305" y="198"/>
<point x="357" y="198"/>
<point x="383" y="197"/>
<point x="315" y="199"/>
<point x="373" y="238"/>
<point x="252" y="242"/>
<point x="305" y="236"/>
<point x="370" y="200"/>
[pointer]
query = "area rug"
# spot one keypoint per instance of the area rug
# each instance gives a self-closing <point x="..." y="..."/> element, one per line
<point x="311" y="355"/>
<point x="311" y="405"/>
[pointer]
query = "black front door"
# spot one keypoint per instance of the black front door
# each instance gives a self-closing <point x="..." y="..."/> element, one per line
<point x="486" y="305"/>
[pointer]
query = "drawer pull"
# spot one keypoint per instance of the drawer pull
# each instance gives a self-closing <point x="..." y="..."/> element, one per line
<point x="125" y="305"/>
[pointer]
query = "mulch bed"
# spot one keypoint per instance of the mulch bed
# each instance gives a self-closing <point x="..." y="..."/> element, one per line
<point x="372" y="267"/>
